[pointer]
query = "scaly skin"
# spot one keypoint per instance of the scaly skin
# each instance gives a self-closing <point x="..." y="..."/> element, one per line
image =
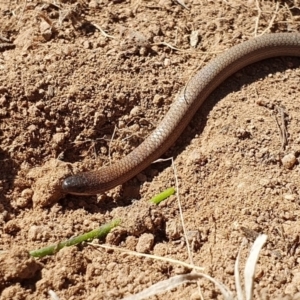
<point x="182" y="110"/>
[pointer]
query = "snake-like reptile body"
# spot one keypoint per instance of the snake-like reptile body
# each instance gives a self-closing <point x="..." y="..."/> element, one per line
<point x="182" y="110"/>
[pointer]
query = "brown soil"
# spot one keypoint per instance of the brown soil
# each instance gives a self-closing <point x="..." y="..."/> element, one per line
<point x="65" y="88"/>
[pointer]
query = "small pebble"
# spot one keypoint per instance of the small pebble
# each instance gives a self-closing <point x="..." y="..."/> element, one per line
<point x="135" y="127"/>
<point x="135" y="111"/>
<point x="157" y="99"/>
<point x="3" y="112"/>
<point x="174" y="229"/>
<point x="93" y="4"/>
<point x="196" y="296"/>
<point x="58" y="138"/>
<point x="27" y="193"/>
<point x="289" y="197"/>
<point x="99" y="119"/>
<point x="110" y="266"/>
<point x="87" y="45"/>
<point x="145" y="243"/>
<point x="45" y="30"/>
<point x="196" y="158"/>
<point x="35" y="232"/>
<point x="22" y="202"/>
<point x="121" y="98"/>
<point x="194" y="38"/>
<point x="167" y="62"/>
<point x="11" y="227"/>
<point x="289" y="160"/>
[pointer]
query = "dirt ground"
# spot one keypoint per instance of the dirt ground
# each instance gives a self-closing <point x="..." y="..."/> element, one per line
<point x="82" y="83"/>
